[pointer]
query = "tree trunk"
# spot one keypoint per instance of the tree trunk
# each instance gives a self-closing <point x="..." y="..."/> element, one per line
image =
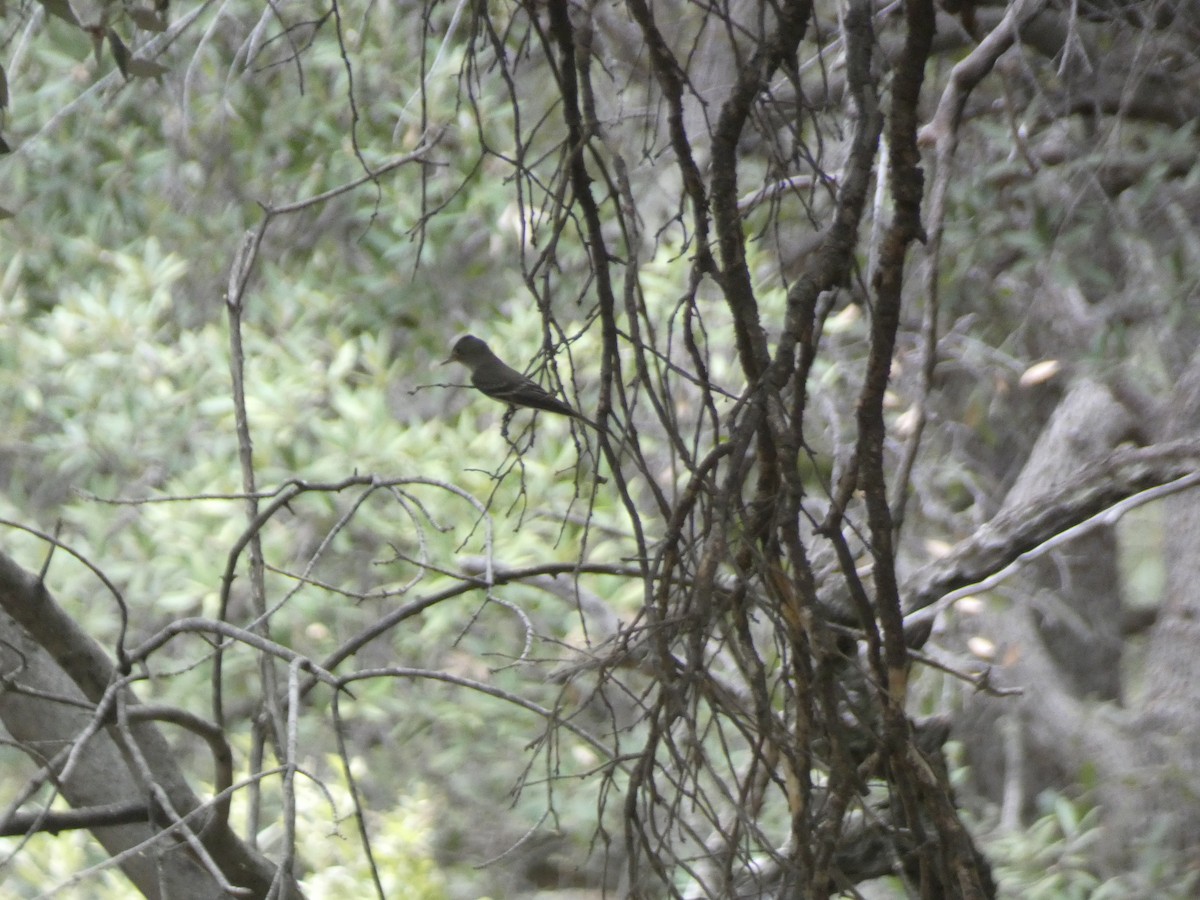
<point x="1061" y="620"/>
<point x="58" y="676"/>
<point x="1154" y="797"/>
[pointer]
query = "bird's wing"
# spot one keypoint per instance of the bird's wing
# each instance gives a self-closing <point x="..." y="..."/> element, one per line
<point x="506" y="384"/>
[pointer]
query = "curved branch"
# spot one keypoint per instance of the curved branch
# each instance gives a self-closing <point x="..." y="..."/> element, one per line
<point x="1024" y="529"/>
<point x="490" y="690"/>
<point x="971" y="70"/>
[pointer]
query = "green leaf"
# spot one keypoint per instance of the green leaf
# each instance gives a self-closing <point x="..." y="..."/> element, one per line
<point x="119" y="51"/>
<point x="62" y="9"/>
<point x="1067" y="815"/>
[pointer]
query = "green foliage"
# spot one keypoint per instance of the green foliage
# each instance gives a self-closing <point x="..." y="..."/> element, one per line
<point x="333" y="860"/>
<point x="107" y="396"/>
<point x="1050" y="859"/>
<point x="1054" y="859"/>
<point x="132" y="162"/>
<point x="401" y="845"/>
<point x="46" y="861"/>
<point x="131" y="199"/>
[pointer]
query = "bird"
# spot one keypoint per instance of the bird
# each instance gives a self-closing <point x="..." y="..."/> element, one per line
<point x="500" y="381"/>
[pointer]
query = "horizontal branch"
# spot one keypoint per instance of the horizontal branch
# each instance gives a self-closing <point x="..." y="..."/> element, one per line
<point x="55" y="820"/>
<point x="1018" y="531"/>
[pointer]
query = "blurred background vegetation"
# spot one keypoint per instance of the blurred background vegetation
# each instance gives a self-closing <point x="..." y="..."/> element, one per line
<point x="129" y="200"/>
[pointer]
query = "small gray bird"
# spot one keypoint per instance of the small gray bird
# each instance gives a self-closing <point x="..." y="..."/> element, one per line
<point x="502" y="382"/>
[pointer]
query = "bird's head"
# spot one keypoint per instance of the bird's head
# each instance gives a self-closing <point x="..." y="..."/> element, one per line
<point x="467" y="350"/>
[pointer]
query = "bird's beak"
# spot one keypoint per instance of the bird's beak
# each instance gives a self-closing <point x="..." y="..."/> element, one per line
<point x="449" y="359"/>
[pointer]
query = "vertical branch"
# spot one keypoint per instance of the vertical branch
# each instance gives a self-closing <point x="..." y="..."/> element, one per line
<point x="907" y="186"/>
<point x="942" y="132"/>
<point x="758" y="554"/>
<point x="734" y="275"/>
<point x="239" y="277"/>
<point x="922" y="798"/>
<point x="670" y="80"/>
<point x="580" y="180"/>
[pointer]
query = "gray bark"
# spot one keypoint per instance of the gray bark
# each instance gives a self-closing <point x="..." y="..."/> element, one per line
<point x="1059" y="633"/>
<point x="56" y="676"/>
